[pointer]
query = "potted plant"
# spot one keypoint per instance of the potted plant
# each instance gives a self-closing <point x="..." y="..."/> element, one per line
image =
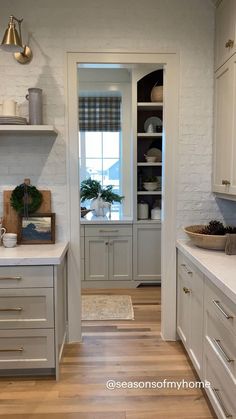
<point x="102" y="197"/>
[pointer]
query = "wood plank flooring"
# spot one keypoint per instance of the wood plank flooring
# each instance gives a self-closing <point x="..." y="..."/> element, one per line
<point x="119" y="350"/>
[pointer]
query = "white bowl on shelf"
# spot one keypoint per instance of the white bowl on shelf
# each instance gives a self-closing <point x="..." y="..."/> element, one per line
<point x="150" y="159"/>
<point x="150" y="186"/>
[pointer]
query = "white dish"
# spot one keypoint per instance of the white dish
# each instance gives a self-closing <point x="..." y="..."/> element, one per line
<point x="150" y="186"/>
<point x="153" y="121"/>
<point x="155" y="152"/>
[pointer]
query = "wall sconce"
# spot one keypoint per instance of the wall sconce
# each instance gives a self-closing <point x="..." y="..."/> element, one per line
<point x="12" y="42"/>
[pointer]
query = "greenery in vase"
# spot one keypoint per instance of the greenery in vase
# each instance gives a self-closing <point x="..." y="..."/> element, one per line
<point x="90" y="189"/>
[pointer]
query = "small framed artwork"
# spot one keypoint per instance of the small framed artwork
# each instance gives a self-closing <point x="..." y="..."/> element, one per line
<point x="37" y="229"/>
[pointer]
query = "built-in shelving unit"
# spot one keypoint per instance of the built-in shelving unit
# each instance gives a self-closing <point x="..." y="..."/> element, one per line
<point x="153" y="112"/>
<point x="42" y="130"/>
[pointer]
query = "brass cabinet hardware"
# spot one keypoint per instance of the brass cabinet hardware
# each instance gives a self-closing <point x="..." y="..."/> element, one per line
<point x="222" y="351"/>
<point x="218" y="305"/>
<point x="225" y="182"/>
<point x="5" y="278"/>
<point x="186" y="268"/>
<point x="218" y="397"/>
<point x="12" y="349"/>
<point x="229" y="43"/>
<point x="186" y="290"/>
<point x="12" y="309"/>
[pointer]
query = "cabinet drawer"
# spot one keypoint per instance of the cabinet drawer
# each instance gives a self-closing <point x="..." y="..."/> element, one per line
<point x="185" y="268"/>
<point x="108" y="231"/>
<point x="221" y="340"/>
<point x="24" y="349"/>
<point x="222" y="389"/>
<point x="26" y="276"/>
<point x="224" y="308"/>
<point x="26" y="308"/>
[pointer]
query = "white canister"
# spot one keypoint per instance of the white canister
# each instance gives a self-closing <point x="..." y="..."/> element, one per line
<point x="143" y="210"/>
<point x="156" y="213"/>
<point x="9" y="107"/>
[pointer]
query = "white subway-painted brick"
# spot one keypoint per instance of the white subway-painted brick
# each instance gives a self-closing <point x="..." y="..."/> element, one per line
<point x="55" y="27"/>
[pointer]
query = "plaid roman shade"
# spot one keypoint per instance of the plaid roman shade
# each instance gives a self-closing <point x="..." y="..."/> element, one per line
<point x="99" y="113"/>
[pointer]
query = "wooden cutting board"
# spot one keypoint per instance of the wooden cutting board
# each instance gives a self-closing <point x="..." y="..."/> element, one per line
<point x="10" y="216"/>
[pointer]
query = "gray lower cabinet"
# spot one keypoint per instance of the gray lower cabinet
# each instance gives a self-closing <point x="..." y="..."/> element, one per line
<point x="206" y="324"/>
<point x="32" y="319"/>
<point x="190" y="310"/>
<point x="108" y="252"/>
<point x="147" y="251"/>
<point x="108" y="258"/>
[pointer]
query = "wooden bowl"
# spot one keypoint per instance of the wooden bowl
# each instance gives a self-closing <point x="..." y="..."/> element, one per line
<point x="206" y="241"/>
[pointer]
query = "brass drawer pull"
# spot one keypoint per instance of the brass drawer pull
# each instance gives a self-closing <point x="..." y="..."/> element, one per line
<point x="225" y="411"/>
<point x="222" y="351"/>
<point x="218" y="305"/>
<point x="12" y="349"/>
<point x="108" y="231"/>
<point x="229" y="44"/>
<point x="12" y="309"/>
<point x="186" y="269"/>
<point x="5" y="278"/>
<point x="225" y="182"/>
<point x="186" y="290"/>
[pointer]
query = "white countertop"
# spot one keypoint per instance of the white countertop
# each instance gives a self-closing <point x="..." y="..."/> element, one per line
<point x="116" y="218"/>
<point x="216" y="265"/>
<point x="37" y="254"/>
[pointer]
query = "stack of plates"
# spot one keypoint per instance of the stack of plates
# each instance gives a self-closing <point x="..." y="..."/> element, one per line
<point x="12" y="120"/>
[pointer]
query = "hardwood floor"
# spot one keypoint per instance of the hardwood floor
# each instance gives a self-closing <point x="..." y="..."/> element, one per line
<point x="112" y="350"/>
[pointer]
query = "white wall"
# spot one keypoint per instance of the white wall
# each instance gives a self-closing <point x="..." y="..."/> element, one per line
<point x="55" y="27"/>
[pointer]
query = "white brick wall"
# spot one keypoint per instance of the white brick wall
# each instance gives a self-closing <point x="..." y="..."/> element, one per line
<point x="55" y="27"/>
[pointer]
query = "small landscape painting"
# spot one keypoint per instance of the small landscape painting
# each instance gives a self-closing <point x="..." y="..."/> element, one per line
<point x="37" y="229"/>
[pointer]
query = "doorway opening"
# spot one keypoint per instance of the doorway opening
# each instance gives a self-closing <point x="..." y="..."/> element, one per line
<point x="141" y="65"/>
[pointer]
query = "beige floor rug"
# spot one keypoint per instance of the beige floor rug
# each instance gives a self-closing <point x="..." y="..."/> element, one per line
<point x="107" y="307"/>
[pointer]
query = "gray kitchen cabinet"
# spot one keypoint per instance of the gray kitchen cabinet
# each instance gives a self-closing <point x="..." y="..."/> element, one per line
<point x="108" y="253"/>
<point x="225" y="45"/>
<point x="190" y="310"/>
<point x="33" y="319"/>
<point x="147" y="251"/>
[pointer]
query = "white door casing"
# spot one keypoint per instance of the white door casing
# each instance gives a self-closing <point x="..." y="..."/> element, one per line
<point x="170" y="62"/>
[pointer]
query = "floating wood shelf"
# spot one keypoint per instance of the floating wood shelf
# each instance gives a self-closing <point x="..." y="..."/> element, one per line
<point x="21" y="130"/>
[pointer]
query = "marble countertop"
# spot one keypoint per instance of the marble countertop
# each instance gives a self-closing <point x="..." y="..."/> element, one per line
<point x="216" y="265"/>
<point x="116" y="218"/>
<point x="37" y="254"/>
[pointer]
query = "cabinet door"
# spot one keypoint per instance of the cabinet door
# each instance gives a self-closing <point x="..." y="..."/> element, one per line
<point x="196" y="319"/>
<point x="120" y="258"/>
<point x="147" y="252"/>
<point x="223" y="125"/>
<point x="96" y="258"/>
<point x="225" y="31"/>
<point x="183" y="304"/>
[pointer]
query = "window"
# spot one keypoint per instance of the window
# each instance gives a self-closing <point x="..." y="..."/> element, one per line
<point x="100" y="141"/>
